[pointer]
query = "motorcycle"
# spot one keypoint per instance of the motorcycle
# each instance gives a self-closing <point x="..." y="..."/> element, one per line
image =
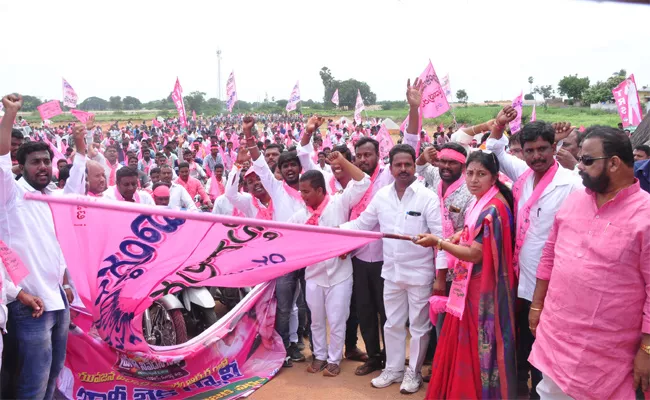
<point x="175" y="318"/>
<point x="228" y="296"/>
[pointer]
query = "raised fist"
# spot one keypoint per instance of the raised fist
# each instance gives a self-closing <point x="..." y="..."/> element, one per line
<point x="313" y="124"/>
<point x="562" y="130"/>
<point x="249" y="122"/>
<point x="12" y="102"/>
<point x="505" y="116"/>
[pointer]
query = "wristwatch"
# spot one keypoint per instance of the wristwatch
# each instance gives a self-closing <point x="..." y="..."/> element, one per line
<point x="66" y="287"/>
<point x="645" y="348"/>
<point x="439" y="245"/>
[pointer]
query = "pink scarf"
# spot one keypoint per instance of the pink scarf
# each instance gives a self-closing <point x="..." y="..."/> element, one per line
<point x="523" y="217"/>
<point x="365" y="200"/>
<point x="111" y="178"/>
<point x="333" y="188"/>
<point x="136" y="196"/>
<point x="13" y="264"/>
<point x="263" y="213"/>
<point x="216" y="188"/>
<point x="292" y="192"/>
<point x="313" y="220"/>
<point x="147" y="165"/>
<point x="447" y="224"/>
<point x="463" y="269"/>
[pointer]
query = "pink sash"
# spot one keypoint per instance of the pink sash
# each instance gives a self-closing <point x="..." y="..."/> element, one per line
<point x="463" y="269"/>
<point x="216" y="188"/>
<point x="292" y="192"/>
<point x="263" y="213"/>
<point x="13" y="264"/>
<point x="365" y="200"/>
<point x="313" y="220"/>
<point x="118" y="195"/>
<point x="111" y="178"/>
<point x="333" y="188"/>
<point x="447" y="224"/>
<point x="523" y="216"/>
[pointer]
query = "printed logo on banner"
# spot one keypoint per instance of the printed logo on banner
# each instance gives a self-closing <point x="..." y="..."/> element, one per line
<point x="150" y="370"/>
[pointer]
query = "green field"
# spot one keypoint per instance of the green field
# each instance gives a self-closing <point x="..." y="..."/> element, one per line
<point x="471" y="115"/>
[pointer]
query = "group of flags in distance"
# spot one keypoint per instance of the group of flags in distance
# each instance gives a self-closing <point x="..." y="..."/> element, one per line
<point x="435" y="94"/>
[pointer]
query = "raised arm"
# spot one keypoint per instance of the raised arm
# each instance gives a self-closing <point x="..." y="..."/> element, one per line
<point x="424" y="167"/>
<point x="76" y="183"/>
<point x="12" y="104"/>
<point x="251" y="143"/>
<point x="352" y="193"/>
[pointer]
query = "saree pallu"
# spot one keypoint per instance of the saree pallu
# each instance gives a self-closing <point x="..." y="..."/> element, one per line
<point x="475" y="357"/>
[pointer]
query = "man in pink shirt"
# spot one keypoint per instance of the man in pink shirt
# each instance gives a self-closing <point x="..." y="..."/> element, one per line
<point x="192" y="185"/>
<point x="591" y="307"/>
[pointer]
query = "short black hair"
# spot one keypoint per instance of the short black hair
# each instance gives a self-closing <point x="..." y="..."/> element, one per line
<point x="365" y="140"/>
<point x="514" y="139"/>
<point x="615" y="143"/>
<point x="455" y="147"/>
<point x="183" y="164"/>
<point x="274" y="146"/>
<point x="187" y="151"/>
<point x="218" y="166"/>
<point x="533" y="130"/>
<point x="154" y="170"/>
<point x="125" y="172"/>
<point x="315" y="179"/>
<point x="343" y="149"/>
<point x="159" y="184"/>
<point x="132" y="158"/>
<point x="160" y="154"/>
<point x="644" y="148"/>
<point x="31" y="147"/>
<point x="17" y="134"/>
<point x="288" y="156"/>
<point x="400" y="148"/>
<point x="322" y="152"/>
<point x="64" y="173"/>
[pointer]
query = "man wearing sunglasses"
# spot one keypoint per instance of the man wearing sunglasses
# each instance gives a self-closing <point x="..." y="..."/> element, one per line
<point x="592" y="281"/>
<point x="541" y="186"/>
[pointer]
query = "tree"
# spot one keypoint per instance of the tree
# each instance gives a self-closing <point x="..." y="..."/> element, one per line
<point x="529" y="96"/>
<point x="94" y="104"/>
<point x="573" y="87"/>
<point x="282" y="103"/>
<point x="326" y="77"/>
<point x="30" y="103"/>
<point x="115" y="103"/>
<point x="131" y="103"/>
<point x="194" y="101"/>
<point x="545" y="91"/>
<point x="530" y="81"/>
<point x="602" y="91"/>
<point x="347" y="90"/>
<point x="461" y="95"/>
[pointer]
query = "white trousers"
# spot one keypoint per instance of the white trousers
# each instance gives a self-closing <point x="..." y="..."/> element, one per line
<point x="329" y="305"/>
<point x="293" y="319"/>
<point x="403" y="301"/>
<point x="549" y="390"/>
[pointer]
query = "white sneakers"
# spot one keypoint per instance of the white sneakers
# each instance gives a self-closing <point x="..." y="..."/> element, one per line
<point x="386" y="379"/>
<point x="411" y="382"/>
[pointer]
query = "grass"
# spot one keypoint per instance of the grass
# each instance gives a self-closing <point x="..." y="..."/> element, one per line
<point x="471" y="115"/>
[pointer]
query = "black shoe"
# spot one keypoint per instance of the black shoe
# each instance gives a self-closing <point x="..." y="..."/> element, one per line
<point x="300" y="345"/>
<point x="287" y="363"/>
<point x="295" y="354"/>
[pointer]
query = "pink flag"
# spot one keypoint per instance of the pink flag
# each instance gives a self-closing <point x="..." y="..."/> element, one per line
<point x="517" y="104"/>
<point x="385" y="142"/>
<point x="82" y="116"/>
<point x="335" y="97"/>
<point x="193" y="115"/>
<point x="50" y="109"/>
<point x="434" y="102"/>
<point x="627" y="101"/>
<point x="57" y="153"/>
<point x="231" y="92"/>
<point x="69" y="95"/>
<point x="155" y="123"/>
<point x="446" y="86"/>
<point x="533" y="116"/>
<point x="177" y="97"/>
<point x="358" y="107"/>
<point x="124" y="256"/>
<point x="294" y="98"/>
<point x="13" y="264"/>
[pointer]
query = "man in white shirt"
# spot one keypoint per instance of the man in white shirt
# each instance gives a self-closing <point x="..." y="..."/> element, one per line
<point x="329" y="283"/>
<point x="404" y="207"/>
<point x="540" y="188"/>
<point x="255" y="202"/>
<point x="96" y="179"/>
<point x="126" y="188"/>
<point x="322" y="165"/>
<point x="38" y="322"/>
<point x="179" y="197"/>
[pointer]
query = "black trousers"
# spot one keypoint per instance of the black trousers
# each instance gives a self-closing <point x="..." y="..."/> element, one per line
<point x="369" y="292"/>
<point x="351" y="325"/>
<point x="524" y="346"/>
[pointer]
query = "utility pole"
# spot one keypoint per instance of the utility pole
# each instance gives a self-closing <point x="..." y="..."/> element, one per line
<point x="219" y="71"/>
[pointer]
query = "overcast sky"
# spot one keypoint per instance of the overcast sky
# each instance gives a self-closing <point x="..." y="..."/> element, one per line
<point x="139" y="47"/>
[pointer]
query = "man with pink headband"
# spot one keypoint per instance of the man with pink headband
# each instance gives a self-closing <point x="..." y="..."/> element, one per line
<point x="161" y="194"/>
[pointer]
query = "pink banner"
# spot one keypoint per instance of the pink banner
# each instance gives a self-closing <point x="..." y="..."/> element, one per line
<point x="231" y="92"/>
<point x="358" y="107"/>
<point x="231" y="359"/>
<point x="385" y="142"/>
<point x="533" y="115"/>
<point x="294" y="98"/>
<point x="518" y="105"/>
<point x="156" y="123"/>
<point x="627" y="101"/>
<point x="124" y="256"/>
<point x="50" y="109"/>
<point x="82" y="116"/>
<point x="335" y="97"/>
<point x="69" y="95"/>
<point x="177" y="97"/>
<point x="12" y="264"/>
<point x="434" y="102"/>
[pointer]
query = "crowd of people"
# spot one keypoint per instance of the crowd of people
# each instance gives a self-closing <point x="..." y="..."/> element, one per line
<point x="528" y="274"/>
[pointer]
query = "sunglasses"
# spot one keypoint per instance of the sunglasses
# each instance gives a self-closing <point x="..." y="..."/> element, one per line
<point x="587" y="161"/>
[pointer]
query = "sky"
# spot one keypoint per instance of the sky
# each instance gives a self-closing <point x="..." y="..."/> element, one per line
<point x="488" y="48"/>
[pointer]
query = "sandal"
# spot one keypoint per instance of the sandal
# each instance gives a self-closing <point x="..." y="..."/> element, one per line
<point x="316" y="366"/>
<point x="331" y="370"/>
<point x="356" y="354"/>
<point x="368" y="367"/>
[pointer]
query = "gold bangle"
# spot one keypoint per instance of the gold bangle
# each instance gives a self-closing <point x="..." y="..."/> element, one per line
<point x="645" y="348"/>
<point x="536" y="309"/>
<point x="439" y="245"/>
